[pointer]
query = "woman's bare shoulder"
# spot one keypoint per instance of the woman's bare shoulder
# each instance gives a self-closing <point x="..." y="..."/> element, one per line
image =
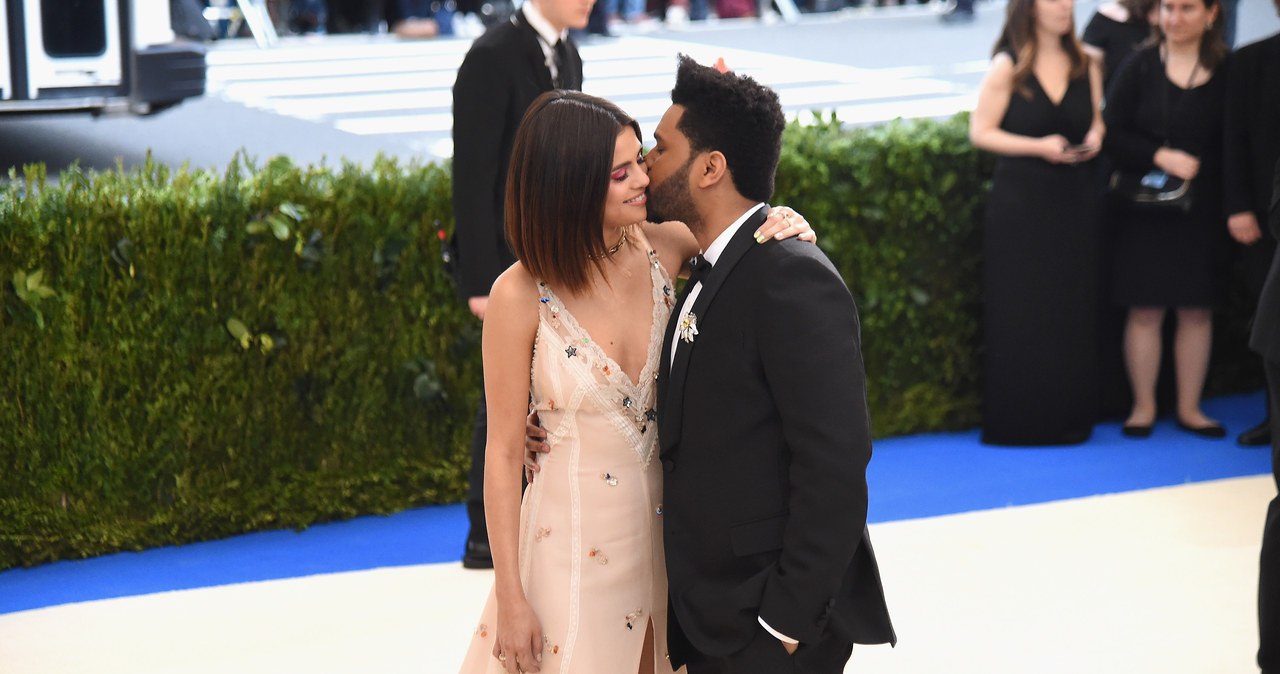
<point x="514" y="288"/>
<point x="1114" y="11"/>
<point x="673" y="242"/>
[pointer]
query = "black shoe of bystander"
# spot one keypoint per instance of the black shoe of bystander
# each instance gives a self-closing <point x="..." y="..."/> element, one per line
<point x="1258" y="436"/>
<point x="477" y="555"/>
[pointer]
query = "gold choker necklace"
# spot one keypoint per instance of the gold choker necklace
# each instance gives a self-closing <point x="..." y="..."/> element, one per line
<point x="622" y="241"/>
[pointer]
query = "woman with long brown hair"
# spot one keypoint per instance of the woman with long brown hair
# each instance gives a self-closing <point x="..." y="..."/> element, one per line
<point x="574" y="331"/>
<point x="1165" y="115"/>
<point x="1038" y="110"/>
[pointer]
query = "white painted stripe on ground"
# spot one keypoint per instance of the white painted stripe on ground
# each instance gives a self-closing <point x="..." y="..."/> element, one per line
<point x="319" y="107"/>
<point x="333" y="49"/>
<point x="321" y="86"/>
<point x="649" y="111"/>
<point x="281" y="71"/>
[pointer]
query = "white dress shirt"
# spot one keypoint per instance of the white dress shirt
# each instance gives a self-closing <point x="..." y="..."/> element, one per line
<point x="547" y="36"/>
<point x="711" y="254"/>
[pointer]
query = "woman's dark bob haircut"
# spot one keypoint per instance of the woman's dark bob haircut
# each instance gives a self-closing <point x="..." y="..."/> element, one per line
<point x="557" y="184"/>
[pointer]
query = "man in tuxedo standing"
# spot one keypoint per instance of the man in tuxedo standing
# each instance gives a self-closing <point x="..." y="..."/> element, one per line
<point x="1251" y="146"/>
<point x="1265" y="339"/>
<point x="506" y="68"/>
<point x="762" y="413"/>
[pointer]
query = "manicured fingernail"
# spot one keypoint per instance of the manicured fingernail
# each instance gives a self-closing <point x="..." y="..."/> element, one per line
<point x="759" y="237"/>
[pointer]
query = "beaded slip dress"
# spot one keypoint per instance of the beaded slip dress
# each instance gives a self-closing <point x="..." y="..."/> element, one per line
<point x="590" y="557"/>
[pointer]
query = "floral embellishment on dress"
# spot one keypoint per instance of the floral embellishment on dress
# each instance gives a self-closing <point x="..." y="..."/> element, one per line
<point x="626" y="402"/>
<point x="659" y="510"/>
<point x="542" y="533"/>
<point x="651" y="414"/>
<point x="598" y="556"/>
<point x="689" y="327"/>
<point x="482" y="629"/>
<point x="546" y="642"/>
<point x="571" y="351"/>
<point x="634" y="617"/>
<point x="609" y="479"/>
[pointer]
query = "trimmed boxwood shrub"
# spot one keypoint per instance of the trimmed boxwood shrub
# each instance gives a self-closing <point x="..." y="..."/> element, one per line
<point x="186" y="355"/>
<point x="898" y="209"/>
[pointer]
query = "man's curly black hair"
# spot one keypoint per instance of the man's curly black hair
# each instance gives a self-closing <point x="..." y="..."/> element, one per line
<point x="735" y="115"/>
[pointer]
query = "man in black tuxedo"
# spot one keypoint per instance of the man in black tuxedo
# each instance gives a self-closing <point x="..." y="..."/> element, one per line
<point x="506" y="68"/>
<point x="763" y="421"/>
<point x="1250" y="149"/>
<point x="1265" y="339"/>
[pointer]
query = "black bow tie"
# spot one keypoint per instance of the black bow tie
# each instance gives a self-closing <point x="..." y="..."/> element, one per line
<point x="698" y="269"/>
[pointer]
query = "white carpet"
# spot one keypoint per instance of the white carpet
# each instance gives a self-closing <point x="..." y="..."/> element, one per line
<point x="1162" y="580"/>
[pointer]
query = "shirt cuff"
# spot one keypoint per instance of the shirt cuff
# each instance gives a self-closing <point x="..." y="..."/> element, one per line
<point x="781" y="637"/>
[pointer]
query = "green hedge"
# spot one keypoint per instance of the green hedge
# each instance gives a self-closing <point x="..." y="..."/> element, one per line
<point x="898" y="208"/>
<point x="136" y="411"/>
<point x="187" y="356"/>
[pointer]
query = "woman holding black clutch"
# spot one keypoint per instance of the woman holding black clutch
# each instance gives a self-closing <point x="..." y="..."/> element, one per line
<point x="1164" y="117"/>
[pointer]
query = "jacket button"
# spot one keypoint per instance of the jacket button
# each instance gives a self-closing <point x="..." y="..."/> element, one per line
<point x="669" y="465"/>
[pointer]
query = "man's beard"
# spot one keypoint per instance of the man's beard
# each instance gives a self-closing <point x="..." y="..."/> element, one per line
<point x="671" y="199"/>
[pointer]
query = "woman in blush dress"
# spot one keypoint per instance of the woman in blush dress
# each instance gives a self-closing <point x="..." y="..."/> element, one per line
<point x="1038" y="110"/>
<point x="574" y="331"/>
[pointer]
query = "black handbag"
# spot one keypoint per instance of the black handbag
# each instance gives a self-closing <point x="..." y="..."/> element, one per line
<point x="1153" y="189"/>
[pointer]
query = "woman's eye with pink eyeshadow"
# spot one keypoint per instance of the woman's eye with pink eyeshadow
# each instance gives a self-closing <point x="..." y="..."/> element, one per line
<point x="620" y="174"/>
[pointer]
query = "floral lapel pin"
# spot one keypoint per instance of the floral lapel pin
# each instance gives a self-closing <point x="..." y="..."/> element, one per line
<point x="689" y="327"/>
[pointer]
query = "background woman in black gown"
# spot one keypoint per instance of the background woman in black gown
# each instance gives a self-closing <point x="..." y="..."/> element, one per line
<point x="1165" y="112"/>
<point x="1038" y="110"/>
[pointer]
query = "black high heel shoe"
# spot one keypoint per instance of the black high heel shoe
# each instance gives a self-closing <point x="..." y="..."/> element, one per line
<point x="1136" y="430"/>
<point x="1214" y="431"/>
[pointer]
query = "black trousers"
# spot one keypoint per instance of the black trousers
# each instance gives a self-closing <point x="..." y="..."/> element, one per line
<point x="1269" y="568"/>
<point x="475" y="490"/>
<point x="766" y="655"/>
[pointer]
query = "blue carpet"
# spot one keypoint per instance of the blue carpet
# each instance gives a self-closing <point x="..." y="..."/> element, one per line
<point x="910" y="477"/>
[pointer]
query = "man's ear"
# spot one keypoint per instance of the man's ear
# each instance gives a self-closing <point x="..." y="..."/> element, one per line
<point x="711" y="169"/>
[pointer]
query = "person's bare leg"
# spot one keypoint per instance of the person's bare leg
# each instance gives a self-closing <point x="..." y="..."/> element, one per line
<point x="646" y="654"/>
<point x="1142" y="360"/>
<point x="1191" y="346"/>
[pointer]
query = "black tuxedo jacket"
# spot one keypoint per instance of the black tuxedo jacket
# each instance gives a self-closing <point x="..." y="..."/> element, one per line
<point x="765" y="439"/>
<point x="501" y="75"/>
<point x="1265" y="337"/>
<point x="1251" y="143"/>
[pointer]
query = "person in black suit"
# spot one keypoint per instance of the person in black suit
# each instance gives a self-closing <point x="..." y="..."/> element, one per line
<point x="1265" y="339"/>
<point x="1252" y="145"/>
<point x="763" y="425"/>
<point x="504" y="71"/>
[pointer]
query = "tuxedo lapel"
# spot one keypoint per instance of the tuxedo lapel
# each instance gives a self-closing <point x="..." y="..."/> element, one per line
<point x="671" y="380"/>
